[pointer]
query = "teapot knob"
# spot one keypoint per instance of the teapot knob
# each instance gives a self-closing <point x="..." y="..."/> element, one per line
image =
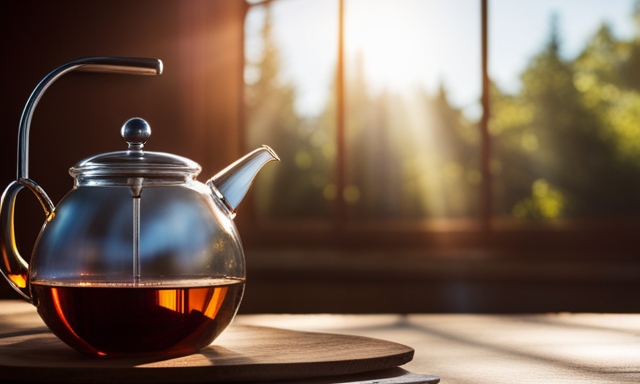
<point x="135" y="132"/>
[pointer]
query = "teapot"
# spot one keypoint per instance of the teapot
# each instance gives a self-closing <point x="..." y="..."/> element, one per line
<point x="139" y="257"/>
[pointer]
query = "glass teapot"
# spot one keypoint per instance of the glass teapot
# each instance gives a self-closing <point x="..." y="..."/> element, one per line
<point x="138" y="257"/>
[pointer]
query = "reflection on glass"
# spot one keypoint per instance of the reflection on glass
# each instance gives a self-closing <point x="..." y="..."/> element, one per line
<point x="566" y="112"/>
<point x="412" y="88"/>
<point x="291" y="56"/>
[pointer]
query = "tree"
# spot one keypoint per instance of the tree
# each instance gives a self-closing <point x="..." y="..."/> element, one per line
<point x="410" y="155"/>
<point x="559" y="136"/>
<point x="295" y="187"/>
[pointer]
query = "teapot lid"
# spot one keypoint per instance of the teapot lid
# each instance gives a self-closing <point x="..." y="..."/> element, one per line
<point x="134" y="166"/>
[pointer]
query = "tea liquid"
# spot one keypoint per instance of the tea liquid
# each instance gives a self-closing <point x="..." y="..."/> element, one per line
<point x="107" y="319"/>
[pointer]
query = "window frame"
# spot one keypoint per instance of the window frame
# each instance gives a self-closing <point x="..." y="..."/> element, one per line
<point x="567" y="239"/>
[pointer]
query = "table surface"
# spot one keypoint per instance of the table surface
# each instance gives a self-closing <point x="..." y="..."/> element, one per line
<point x="545" y="348"/>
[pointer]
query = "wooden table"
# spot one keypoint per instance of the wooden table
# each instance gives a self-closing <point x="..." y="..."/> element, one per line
<point x="551" y="348"/>
<point x="510" y="349"/>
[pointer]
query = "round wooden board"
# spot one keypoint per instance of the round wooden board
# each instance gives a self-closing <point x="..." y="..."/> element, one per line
<point x="241" y="353"/>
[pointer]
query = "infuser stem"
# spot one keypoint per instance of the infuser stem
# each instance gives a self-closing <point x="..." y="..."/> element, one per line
<point x="136" y="239"/>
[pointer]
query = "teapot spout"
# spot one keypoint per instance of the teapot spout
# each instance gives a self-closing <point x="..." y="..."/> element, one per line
<point x="232" y="183"/>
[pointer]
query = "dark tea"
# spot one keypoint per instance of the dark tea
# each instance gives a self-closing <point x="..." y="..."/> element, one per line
<point x="111" y="319"/>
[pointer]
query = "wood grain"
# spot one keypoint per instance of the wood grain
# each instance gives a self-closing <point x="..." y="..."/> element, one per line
<point x="242" y="353"/>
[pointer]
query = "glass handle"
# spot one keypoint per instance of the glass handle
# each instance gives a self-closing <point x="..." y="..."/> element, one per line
<point x="13" y="267"/>
<point x="126" y="65"/>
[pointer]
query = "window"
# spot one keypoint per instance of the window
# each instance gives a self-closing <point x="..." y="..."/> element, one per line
<point x="455" y="116"/>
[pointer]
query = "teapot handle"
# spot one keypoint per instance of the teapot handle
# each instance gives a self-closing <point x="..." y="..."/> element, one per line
<point x="13" y="267"/>
<point x="126" y="65"/>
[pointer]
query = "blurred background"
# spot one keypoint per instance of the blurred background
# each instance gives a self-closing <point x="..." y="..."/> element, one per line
<point x="437" y="156"/>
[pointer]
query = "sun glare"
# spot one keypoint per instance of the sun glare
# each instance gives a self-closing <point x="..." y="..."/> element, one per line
<point x="404" y="45"/>
<point x="385" y="35"/>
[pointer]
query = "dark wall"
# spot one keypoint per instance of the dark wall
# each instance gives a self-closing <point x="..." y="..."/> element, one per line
<point x="194" y="108"/>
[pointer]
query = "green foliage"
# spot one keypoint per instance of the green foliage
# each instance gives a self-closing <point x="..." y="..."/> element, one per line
<point x="545" y="202"/>
<point x="576" y="124"/>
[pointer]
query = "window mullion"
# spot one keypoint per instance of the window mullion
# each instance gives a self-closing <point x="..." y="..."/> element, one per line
<point x="485" y="156"/>
<point x="340" y="204"/>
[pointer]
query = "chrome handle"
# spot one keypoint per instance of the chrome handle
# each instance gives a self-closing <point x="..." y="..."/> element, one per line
<point x="13" y="267"/>
<point x="126" y="65"/>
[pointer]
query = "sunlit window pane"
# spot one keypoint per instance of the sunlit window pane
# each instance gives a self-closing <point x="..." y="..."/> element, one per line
<point x="413" y="85"/>
<point x="291" y="51"/>
<point x="565" y="106"/>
